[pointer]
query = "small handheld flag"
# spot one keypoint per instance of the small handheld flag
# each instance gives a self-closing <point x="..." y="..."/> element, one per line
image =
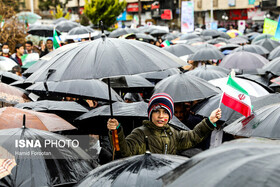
<point x="165" y="43"/>
<point x="56" y="40"/>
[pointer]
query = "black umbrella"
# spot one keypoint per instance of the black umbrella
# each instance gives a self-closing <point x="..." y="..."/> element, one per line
<point x="206" y="53"/>
<point x="184" y="88"/>
<point x="268" y="44"/>
<point x="92" y="89"/>
<point x="137" y="110"/>
<point x="180" y="49"/>
<point x="252" y="35"/>
<point x="253" y="49"/>
<point x="80" y="30"/>
<point x="188" y="36"/>
<point x="143" y="36"/>
<point x="240" y="163"/>
<point x="66" y="26"/>
<point x="130" y="83"/>
<point x="139" y="170"/>
<point x="207" y="73"/>
<point x="210" y="32"/>
<point x="264" y="122"/>
<point x="224" y="35"/>
<point x="228" y="47"/>
<point x="59" y="20"/>
<point x="43" y="30"/>
<point x="274" y="53"/>
<point x="273" y="66"/>
<point x="243" y="60"/>
<point x="8" y="77"/>
<point x="119" y="32"/>
<point x="261" y="80"/>
<point x="261" y="37"/>
<point x="238" y="40"/>
<point x="218" y="40"/>
<point x="41" y="164"/>
<point x="156" y="76"/>
<point x="158" y="32"/>
<point x="21" y="84"/>
<point x="170" y="36"/>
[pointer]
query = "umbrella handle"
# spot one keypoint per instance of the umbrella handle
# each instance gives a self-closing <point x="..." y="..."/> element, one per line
<point x="116" y="140"/>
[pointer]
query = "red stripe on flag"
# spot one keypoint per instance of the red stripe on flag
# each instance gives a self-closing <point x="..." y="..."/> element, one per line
<point x="236" y="105"/>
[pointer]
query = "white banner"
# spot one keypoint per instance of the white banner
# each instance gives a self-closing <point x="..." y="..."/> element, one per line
<point x="187" y="16"/>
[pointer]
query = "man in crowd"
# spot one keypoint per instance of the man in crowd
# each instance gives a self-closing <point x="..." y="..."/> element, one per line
<point x="49" y="48"/>
<point x="19" y="50"/>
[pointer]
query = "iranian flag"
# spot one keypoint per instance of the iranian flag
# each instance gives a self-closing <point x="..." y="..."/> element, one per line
<point x="56" y="40"/>
<point x="165" y="43"/>
<point x="236" y="98"/>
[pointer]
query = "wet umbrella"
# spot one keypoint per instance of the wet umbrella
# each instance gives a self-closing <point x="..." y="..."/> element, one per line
<point x="59" y="20"/>
<point x="170" y="36"/>
<point x="237" y="163"/>
<point x="238" y="40"/>
<point x="127" y="110"/>
<point x="143" y="36"/>
<point x="252" y="88"/>
<point x="207" y="73"/>
<point x="156" y="76"/>
<point x="252" y="35"/>
<point x="273" y="66"/>
<point x="188" y="36"/>
<point x="139" y="170"/>
<point x="261" y="80"/>
<point x="43" y="30"/>
<point x="12" y="118"/>
<point x="130" y="83"/>
<point x="82" y="32"/>
<point x="28" y="17"/>
<point x="184" y="88"/>
<point x="243" y="60"/>
<point x="228" y="47"/>
<point x="43" y="164"/>
<point x="274" y="53"/>
<point x="224" y="35"/>
<point x="210" y="32"/>
<point x="264" y="122"/>
<point x="218" y="40"/>
<point x="261" y="37"/>
<point x="66" y="26"/>
<point x="20" y="84"/>
<point x="267" y="43"/>
<point x="6" y="64"/>
<point x="253" y="49"/>
<point x="206" y="53"/>
<point x="180" y="49"/>
<point x="158" y="32"/>
<point x="92" y="89"/>
<point x="11" y="95"/>
<point x="8" y="77"/>
<point x="119" y="32"/>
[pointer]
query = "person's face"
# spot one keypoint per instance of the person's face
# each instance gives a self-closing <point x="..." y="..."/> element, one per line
<point x="179" y="111"/>
<point x="160" y="117"/>
<point x="28" y="47"/>
<point x="49" y="44"/>
<point x="5" y="47"/>
<point x="20" y="51"/>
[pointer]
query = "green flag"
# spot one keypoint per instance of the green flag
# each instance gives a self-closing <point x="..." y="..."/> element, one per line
<point x="56" y="40"/>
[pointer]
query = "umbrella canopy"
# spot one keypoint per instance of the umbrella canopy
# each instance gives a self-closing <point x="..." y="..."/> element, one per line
<point x="143" y="36"/>
<point x="8" y="77"/>
<point x="273" y="66"/>
<point x="159" y="75"/>
<point x="11" y="95"/>
<point x="224" y="35"/>
<point x="252" y="35"/>
<point x="264" y="122"/>
<point x="66" y="26"/>
<point x="274" y="53"/>
<point x="93" y="89"/>
<point x="130" y="83"/>
<point x="228" y="47"/>
<point x="12" y="118"/>
<point x="180" y="49"/>
<point x="170" y="36"/>
<point x="243" y="60"/>
<point x="106" y="57"/>
<point x="184" y="88"/>
<point x="188" y="36"/>
<point x="218" y="40"/>
<point x="20" y="84"/>
<point x="139" y="170"/>
<point x="122" y="109"/>
<point x="236" y="165"/>
<point x="206" y="53"/>
<point x="82" y="32"/>
<point x="47" y="105"/>
<point x="207" y="73"/>
<point x="267" y="43"/>
<point x="121" y="31"/>
<point x="29" y="17"/>
<point x="6" y="64"/>
<point x="261" y="80"/>
<point x="238" y="40"/>
<point x="261" y="37"/>
<point x="59" y="20"/>
<point x="158" y="32"/>
<point x="252" y="88"/>
<point x="253" y="49"/>
<point x="43" y="30"/>
<point x="7" y="162"/>
<point x="210" y="32"/>
<point x="43" y="164"/>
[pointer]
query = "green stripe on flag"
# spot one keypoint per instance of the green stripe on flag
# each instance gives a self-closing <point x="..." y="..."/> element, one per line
<point x="235" y="85"/>
<point x="55" y="40"/>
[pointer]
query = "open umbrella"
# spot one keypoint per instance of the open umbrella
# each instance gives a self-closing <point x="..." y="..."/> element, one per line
<point x="240" y="163"/>
<point x="28" y="17"/>
<point x="143" y="36"/>
<point x="8" y="77"/>
<point x="234" y="33"/>
<point x="273" y="66"/>
<point x="158" y="32"/>
<point x="207" y="73"/>
<point x="66" y="26"/>
<point x="12" y="118"/>
<point x="180" y="49"/>
<point x="7" y="162"/>
<point x="44" y="164"/>
<point x="228" y="47"/>
<point x="119" y="32"/>
<point x="11" y="95"/>
<point x="218" y="40"/>
<point x="274" y="53"/>
<point x="253" y="49"/>
<point x="20" y="84"/>
<point x="188" y="36"/>
<point x="261" y="80"/>
<point x="252" y="88"/>
<point x="91" y="89"/>
<point x="238" y="40"/>
<point x="82" y="32"/>
<point x="6" y="64"/>
<point x="261" y="37"/>
<point x="184" y="88"/>
<point x="139" y="170"/>
<point x="224" y="35"/>
<point x="43" y="30"/>
<point x="236" y="60"/>
<point x="206" y="53"/>
<point x="267" y="43"/>
<point x="210" y="32"/>
<point x="157" y="76"/>
<point x="264" y="122"/>
<point x="59" y="20"/>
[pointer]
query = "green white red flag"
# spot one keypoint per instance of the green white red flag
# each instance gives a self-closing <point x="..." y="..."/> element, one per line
<point x="165" y="43"/>
<point x="56" y="40"/>
<point x="237" y="98"/>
